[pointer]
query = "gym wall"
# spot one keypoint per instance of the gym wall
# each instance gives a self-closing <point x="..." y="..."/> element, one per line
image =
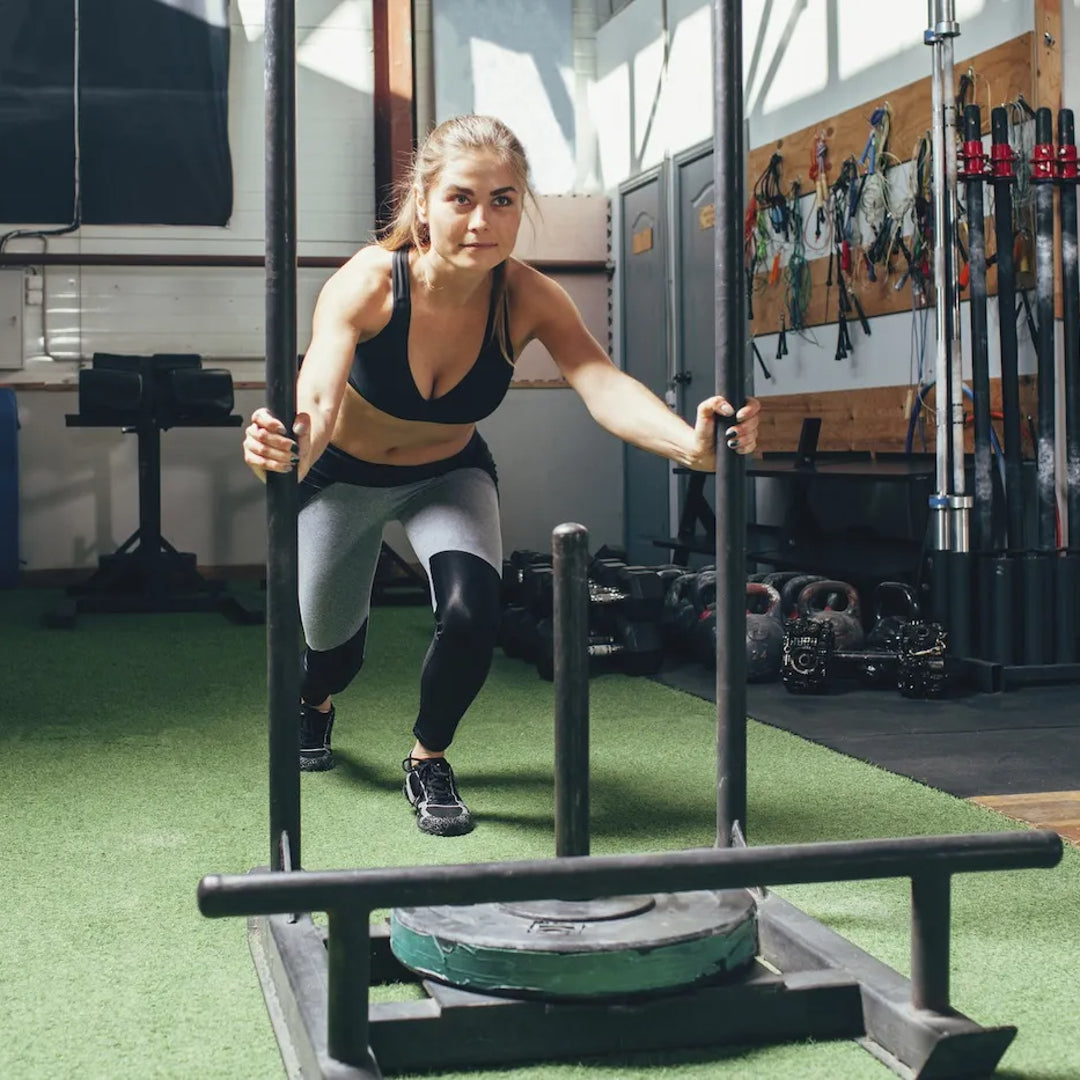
<point x="809" y="61"/>
<point x="79" y="487"/>
<point x="515" y="59"/>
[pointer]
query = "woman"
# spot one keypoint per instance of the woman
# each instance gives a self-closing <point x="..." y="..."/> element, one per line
<point x="413" y="342"/>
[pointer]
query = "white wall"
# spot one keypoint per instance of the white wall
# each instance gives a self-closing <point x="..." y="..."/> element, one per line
<point x="803" y="60"/>
<point x="1070" y="45"/>
<point x="512" y="59"/>
<point x="79" y="486"/>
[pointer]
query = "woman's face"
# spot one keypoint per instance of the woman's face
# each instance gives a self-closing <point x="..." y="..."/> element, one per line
<point x="473" y="211"/>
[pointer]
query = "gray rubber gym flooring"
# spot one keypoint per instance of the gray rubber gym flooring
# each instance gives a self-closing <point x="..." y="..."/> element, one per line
<point x="1025" y="740"/>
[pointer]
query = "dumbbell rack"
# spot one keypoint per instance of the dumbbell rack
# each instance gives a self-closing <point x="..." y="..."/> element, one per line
<point x="625" y="604"/>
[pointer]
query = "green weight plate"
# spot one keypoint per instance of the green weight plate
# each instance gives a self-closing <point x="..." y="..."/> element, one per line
<point x="561" y="949"/>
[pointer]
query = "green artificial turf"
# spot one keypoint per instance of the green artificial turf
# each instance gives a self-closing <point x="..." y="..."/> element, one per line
<point x="133" y="761"/>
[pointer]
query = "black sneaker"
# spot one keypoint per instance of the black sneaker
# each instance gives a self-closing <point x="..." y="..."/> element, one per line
<point x="315" y="753"/>
<point x="430" y="787"/>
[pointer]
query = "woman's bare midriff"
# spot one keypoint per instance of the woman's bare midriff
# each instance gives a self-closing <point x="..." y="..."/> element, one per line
<point x="371" y="435"/>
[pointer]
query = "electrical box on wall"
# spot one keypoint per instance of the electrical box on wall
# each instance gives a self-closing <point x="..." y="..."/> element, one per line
<point x="11" y="309"/>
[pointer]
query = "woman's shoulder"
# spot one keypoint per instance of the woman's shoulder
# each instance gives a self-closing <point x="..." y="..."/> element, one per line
<point x="363" y="286"/>
<point x="533" y="291"/>
<point x="368" y="270"/>
<point x="530" y="286"/>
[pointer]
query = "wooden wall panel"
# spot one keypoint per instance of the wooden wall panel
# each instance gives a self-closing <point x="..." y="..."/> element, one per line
<point x="393" y="105"/>
<point x="872" y="419"/>
<point x="1007" y="71"/>
<point x="1024" y="65"/>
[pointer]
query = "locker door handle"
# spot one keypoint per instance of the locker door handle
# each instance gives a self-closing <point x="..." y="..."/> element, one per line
<point x="684" y="378"/>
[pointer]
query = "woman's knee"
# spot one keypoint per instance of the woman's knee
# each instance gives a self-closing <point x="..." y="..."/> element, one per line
<point x="329" y="671"/>
<point x="467" y="596"/>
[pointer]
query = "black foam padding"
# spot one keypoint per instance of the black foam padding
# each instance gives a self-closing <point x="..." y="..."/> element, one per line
<point x="1022" y="741"/>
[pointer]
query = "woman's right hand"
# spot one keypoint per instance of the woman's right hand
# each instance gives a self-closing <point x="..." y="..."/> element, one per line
<point x="267" y="446"/>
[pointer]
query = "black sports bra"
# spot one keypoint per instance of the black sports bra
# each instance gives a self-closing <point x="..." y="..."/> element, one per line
<point x="380" y="371"/>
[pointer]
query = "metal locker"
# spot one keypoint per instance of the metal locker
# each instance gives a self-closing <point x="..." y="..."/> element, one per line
<point x="644" y="303"/>
<point x="695" y="213"/>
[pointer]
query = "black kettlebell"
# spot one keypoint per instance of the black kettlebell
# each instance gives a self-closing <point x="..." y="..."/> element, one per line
<point x="704" y="633"/>
<point x="678" y="617"/>
<point x="764" y="632"/>
<point x="895" y="605"/>
<point x="778" y="579"/>
<point x="837" y="603"/>
<point x="789" y="593"/>
<point x="703" y="590"/>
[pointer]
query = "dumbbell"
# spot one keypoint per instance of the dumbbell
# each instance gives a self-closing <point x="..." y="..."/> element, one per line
<point x="633" y="592"/>
<point x="513" y="569"/>
<point x="635" y="648"/>
<point x="517" y="633"/>
<point x="917" y="669"/>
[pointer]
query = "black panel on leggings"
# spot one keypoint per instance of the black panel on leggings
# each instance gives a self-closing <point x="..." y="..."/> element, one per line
<point x="330" y="671"/>
<point x="467" y="612"/>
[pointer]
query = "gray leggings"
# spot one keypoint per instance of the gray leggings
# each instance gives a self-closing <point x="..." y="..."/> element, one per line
<point x="452" y="523"/>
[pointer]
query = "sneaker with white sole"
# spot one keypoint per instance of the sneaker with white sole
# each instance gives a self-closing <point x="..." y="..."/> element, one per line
<point x="315" y="727"/>
<point x="430" y="787"/>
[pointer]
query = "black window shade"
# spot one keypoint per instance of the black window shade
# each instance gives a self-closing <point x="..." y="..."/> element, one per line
<point x="153" y="126"/>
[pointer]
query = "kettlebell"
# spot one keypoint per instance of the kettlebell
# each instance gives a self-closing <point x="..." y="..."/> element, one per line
<point x="705" y="637"/>
<point x="895" y="605"/>
<point x="779" y="578"/>
<point x="789" y="593"/>
<point x="703" y="590"/>
<point x="837" y="603"/>
<point x="679" y="617"/>
<point x="764" y="632"/>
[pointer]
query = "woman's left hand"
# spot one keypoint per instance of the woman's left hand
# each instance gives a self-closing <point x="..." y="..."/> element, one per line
<point x="740" y="436"/>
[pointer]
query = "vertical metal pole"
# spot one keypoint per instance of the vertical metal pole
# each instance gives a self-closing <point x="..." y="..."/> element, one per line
<point x="960" y="622"/>
<point x="930" y="906"/>
<point x="980" y="345"/>
<point x="1002" y="166"/>
<point x="730" y="312"/>
<point x="348" y="949"/>
<point x="975" y="171"/>
<point x="946" y="31"/>
<point x="1068" y="568"/>
<point x="570" y="550"/>
<point x="1043" y="180"/>
<point x="1070" y="287"/>
<point x="1038" y="567"/>
<point x="282" y="616"/>
<point x="942" y="240"/>
<point x="148" y="434"/>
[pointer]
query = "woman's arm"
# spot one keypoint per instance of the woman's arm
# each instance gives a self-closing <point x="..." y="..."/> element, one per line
<point x="348" y="302"/>
<point x="622" y="405"/>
